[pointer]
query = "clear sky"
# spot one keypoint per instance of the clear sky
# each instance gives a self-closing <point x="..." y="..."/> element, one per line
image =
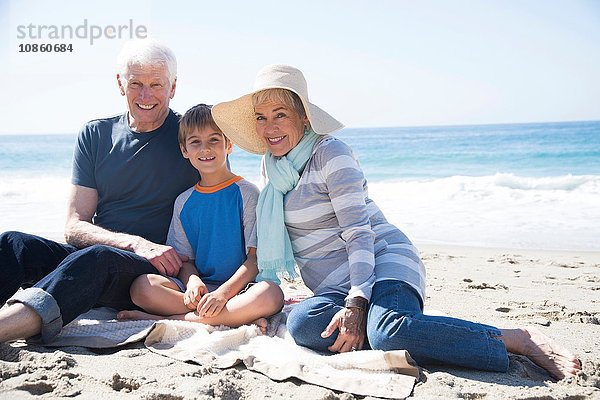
<point x="370" y="64"/>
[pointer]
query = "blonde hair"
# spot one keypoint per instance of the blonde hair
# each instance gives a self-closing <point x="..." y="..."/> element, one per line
<point x="197" y="117"/>
<point x="290" y="99"/>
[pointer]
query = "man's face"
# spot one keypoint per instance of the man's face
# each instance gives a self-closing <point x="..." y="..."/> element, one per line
<point x="148" y="93"/>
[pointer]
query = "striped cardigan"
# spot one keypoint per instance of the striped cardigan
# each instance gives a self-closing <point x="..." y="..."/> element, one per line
<point x="342" y="243"/>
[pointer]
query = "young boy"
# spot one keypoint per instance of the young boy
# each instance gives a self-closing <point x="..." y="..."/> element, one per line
<point x="214" y="226"/>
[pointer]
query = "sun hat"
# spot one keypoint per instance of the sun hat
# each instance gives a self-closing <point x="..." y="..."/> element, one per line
<point x="237" y="119"/>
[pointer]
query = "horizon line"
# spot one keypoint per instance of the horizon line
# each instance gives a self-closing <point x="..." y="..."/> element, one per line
<point x="368" y="127"/>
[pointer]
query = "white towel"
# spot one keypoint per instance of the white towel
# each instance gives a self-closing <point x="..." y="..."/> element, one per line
<point x="390" y="374"/>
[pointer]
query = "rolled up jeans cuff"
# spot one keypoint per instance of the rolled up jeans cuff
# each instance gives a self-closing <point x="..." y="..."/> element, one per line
<point x="45" y="306"/>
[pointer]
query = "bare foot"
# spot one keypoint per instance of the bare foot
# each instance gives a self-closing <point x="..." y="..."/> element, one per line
<point x="262" y="324"/>
<point x="542" y="350"/>
<point x="129" y="315"/>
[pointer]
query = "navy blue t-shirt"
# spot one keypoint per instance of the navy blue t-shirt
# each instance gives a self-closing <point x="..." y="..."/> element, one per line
<point x="137" y="175"/>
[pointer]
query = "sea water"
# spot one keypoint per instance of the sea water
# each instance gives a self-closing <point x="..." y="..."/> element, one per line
<point x="511" y="185"/>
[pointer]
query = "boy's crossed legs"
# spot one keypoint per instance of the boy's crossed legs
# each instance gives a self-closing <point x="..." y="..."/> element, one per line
<point x="162" y="298"/>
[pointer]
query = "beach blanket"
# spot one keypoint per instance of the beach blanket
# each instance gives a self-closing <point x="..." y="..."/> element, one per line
<point x="390" y="374"/>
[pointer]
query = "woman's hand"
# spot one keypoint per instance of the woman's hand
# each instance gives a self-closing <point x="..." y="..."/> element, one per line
<point x="195" y="290"/>
<point x="351" y="325"/>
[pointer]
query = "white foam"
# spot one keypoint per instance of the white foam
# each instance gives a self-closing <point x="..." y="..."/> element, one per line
<point x="34" y="204"/>
<point x="501" y="210"/>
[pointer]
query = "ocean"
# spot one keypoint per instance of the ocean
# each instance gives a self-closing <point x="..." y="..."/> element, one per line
<point x="534" y="186"/>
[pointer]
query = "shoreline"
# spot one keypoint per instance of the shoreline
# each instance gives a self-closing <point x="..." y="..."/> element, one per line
<point x="500" y="211"/>
<point x="425" y="246"/>
<point x="431" y="246"/>
<point x="555" y="291"/>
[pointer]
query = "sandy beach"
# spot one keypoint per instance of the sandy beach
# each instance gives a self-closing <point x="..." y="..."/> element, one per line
<point x="558" y="292"/>
<point x="473" y="123"/>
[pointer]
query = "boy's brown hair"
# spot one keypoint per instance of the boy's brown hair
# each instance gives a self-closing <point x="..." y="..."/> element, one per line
<point x="196" y="117"/>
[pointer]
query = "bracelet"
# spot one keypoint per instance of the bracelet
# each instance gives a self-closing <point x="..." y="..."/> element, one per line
<point x="356" y="302"/>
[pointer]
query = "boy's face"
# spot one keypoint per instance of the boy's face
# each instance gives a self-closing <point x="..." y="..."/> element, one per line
<point x="207" y="150"/>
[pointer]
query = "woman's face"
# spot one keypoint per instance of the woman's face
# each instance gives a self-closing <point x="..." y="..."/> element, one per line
<point x="280" y="127"/>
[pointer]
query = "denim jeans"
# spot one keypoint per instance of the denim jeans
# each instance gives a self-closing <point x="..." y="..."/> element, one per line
<point x="395" y="321"/>
<point x="71" y="281"/>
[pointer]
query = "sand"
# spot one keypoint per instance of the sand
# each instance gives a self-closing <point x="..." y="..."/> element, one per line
<point x="558" y="292"/>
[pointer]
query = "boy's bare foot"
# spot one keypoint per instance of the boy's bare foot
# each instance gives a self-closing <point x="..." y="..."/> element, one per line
<point x="542" y="350"/>
<point x="262" y="324"/>
<point x="129" y="315"/>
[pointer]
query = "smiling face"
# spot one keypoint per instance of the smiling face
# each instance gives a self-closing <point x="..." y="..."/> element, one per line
<point x="148" y="93"/>
<point x="279" y="126"/>
<point x="207" y="150"/>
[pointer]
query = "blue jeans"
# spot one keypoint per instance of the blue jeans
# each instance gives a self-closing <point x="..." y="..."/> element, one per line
<point x="395" y="321"/>
<point x="71" y="281"/>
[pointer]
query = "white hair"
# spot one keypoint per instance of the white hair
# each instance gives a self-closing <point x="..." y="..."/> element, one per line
<point x="146" y="52"/>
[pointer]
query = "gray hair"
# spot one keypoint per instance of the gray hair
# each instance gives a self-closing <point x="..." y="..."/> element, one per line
<point x="146" y="52"/>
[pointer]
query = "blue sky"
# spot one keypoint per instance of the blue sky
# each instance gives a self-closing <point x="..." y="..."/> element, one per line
<point x="384" y="63"/>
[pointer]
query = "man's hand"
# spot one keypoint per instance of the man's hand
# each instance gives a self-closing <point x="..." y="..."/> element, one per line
<point x="351" y="325"/>
<point x="212" y="304"/>
<point x="81" y="232"/>
<point x="164" y="258"/>
<point x="194" y="292"/>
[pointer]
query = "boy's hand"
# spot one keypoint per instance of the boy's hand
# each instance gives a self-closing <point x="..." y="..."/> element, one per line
<point x="211" y="304"/>
<point x="196" y="289"/>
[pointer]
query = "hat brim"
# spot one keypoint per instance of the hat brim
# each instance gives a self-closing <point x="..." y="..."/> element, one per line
<point x="238" y="121"/>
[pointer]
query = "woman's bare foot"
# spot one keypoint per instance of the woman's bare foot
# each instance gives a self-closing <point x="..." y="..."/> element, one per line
<point x="262" y="324"/>
<point x="543" y="351"/>
<point x="129" y="315"/>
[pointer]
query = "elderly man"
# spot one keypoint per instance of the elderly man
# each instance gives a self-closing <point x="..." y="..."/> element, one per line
<point x="127" y="172"/>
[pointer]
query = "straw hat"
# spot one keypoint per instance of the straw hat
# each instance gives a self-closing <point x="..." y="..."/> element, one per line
<point x="237" y="120"/>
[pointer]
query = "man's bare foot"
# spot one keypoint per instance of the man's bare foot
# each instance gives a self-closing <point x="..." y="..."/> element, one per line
<point x="262" y="324"/>
<point x="131" y="315"/>
<point x="543" y="351"/>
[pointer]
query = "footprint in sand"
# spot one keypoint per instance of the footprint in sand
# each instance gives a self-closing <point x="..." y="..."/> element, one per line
<point x="593" y="278"/>
<point x="228" y="387"/>
<point x="163" y="396"/>
<point x="124" y="384"/>
<point x="39" y="374"/>
<point x="201" y="372"/>
<point x="485" y="285"/>
<point x="562" y="314"/>
<point x="471" y="395"/>
<point x="589" y="375"/>
<point x="584" y="317"/>
<point x="36" y="388"/>
<point x="509" y="259"/>
<point x="563" y="265"/>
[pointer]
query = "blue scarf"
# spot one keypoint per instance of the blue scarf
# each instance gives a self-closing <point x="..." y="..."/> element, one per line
<point x="274" y="250"/>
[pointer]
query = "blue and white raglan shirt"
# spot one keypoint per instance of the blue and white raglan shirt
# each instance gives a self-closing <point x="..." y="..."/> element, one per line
<point x="215" y="226"/>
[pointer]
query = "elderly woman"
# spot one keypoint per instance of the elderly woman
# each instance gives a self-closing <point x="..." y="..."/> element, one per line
<point x="367" y="278"/>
